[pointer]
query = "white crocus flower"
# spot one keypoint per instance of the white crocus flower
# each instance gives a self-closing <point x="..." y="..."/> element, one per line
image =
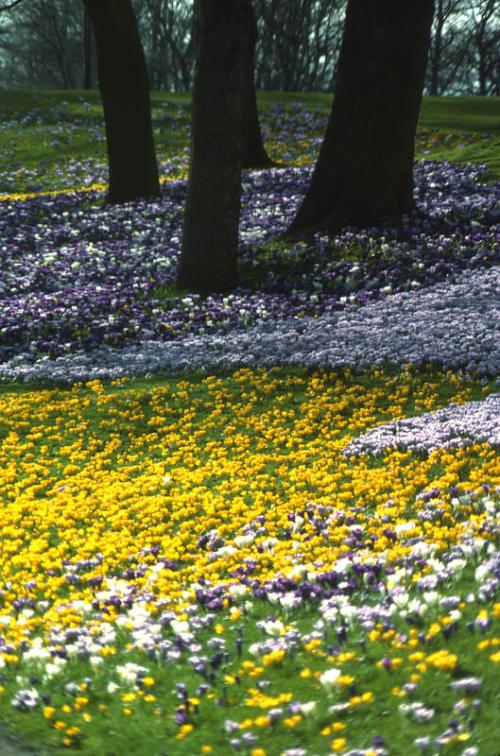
<point x="329" y="679"/>
<point x="236" y="591"/>
<point x="273" y="628"/>
<point x="308" y="708"/>
<point x="244" y="540"/>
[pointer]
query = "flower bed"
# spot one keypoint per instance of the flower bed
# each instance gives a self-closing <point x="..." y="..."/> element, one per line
<point x="202" y="562"/>
<point x="455" y="325"/>
<point x="77" y="276"/>
<point x="296" y="556"/>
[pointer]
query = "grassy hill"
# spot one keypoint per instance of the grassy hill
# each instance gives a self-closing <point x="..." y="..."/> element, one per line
<point x="42" y="130"/>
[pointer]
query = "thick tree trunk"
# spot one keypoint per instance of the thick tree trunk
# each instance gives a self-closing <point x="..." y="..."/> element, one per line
<point x="210" y="239"/>
<point x="254" y="152"/>
<point x="364" y="174"/>
<point x="123" y="81"/>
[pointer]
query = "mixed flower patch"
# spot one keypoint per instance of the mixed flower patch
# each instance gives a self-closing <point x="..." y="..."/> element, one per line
<point x="74" y="130"/>
<point x="293" y="134"/>
<point x="454" y="325"/>
<point x="295" y="556"/>
<point x="207" y="561"/>
<point x="77" y="276"/>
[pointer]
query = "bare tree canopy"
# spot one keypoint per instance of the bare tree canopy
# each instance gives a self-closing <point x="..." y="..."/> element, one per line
<point x="10" y="5"/>
<point x="43" y="45"/>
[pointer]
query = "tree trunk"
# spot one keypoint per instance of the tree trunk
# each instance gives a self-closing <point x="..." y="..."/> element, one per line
<point x="481" y="68"/>
<point x="435" y="49"/>
<point x="364" y="174"/>
<point x="210" y="239"/>
<point x="87" y="51"/>
<point x="123" y="81"/>
<point x="254" y="152"/>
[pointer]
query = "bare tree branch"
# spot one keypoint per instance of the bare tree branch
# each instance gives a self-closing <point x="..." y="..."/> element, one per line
<point x="10" y="5"/>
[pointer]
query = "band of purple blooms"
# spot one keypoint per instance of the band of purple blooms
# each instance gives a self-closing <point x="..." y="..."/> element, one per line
<point x="76" y="275"/>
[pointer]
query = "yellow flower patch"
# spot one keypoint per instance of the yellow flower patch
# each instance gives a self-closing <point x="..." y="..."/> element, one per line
<point x="107" y="473"/>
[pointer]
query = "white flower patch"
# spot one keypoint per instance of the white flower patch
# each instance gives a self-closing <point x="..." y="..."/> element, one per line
<point x="452" y="427"/>
<point x="330" y="678"/>
<point x="129" y="672"/>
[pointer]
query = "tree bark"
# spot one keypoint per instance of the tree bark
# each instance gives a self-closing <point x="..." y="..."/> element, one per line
<point x="210" y="238"/>
<point x="254" y="152"/>
<point x="123" y="81"/>
<point x="364" y="173"/>
<point x="435" y="49"/>
<point x="87" y="51"/>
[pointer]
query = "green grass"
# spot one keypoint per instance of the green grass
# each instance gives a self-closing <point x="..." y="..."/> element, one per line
<point x="480" y="114"/>
<point x="70" y="127"/>
<point x="141" y="735"/>
<point x="447" y="113"/>
<point x="85" y="421"/>
<point x="486" y="153"/>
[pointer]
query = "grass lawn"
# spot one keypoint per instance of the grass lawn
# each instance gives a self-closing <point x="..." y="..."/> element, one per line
<point x="198" y="564"/>
<point x="61" y="130"/>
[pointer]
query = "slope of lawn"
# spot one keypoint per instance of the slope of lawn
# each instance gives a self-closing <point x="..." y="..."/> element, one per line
<point x="53" y="139"/>
<point x="263" y="523"/>
<point x="144" y="529"/>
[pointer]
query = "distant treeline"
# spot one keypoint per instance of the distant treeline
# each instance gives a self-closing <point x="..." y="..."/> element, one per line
<point x="48" y="44"/>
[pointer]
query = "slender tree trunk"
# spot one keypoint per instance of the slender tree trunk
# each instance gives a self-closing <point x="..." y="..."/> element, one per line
<point x="435" y="49"/>
<point x="123" y="81"/>
<point x="481" y="68"/>
<point x="210" y="239"/>
<point x="254" y="152"/>
<point x="364" y="174"/>
<point x="87" y="51"/>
